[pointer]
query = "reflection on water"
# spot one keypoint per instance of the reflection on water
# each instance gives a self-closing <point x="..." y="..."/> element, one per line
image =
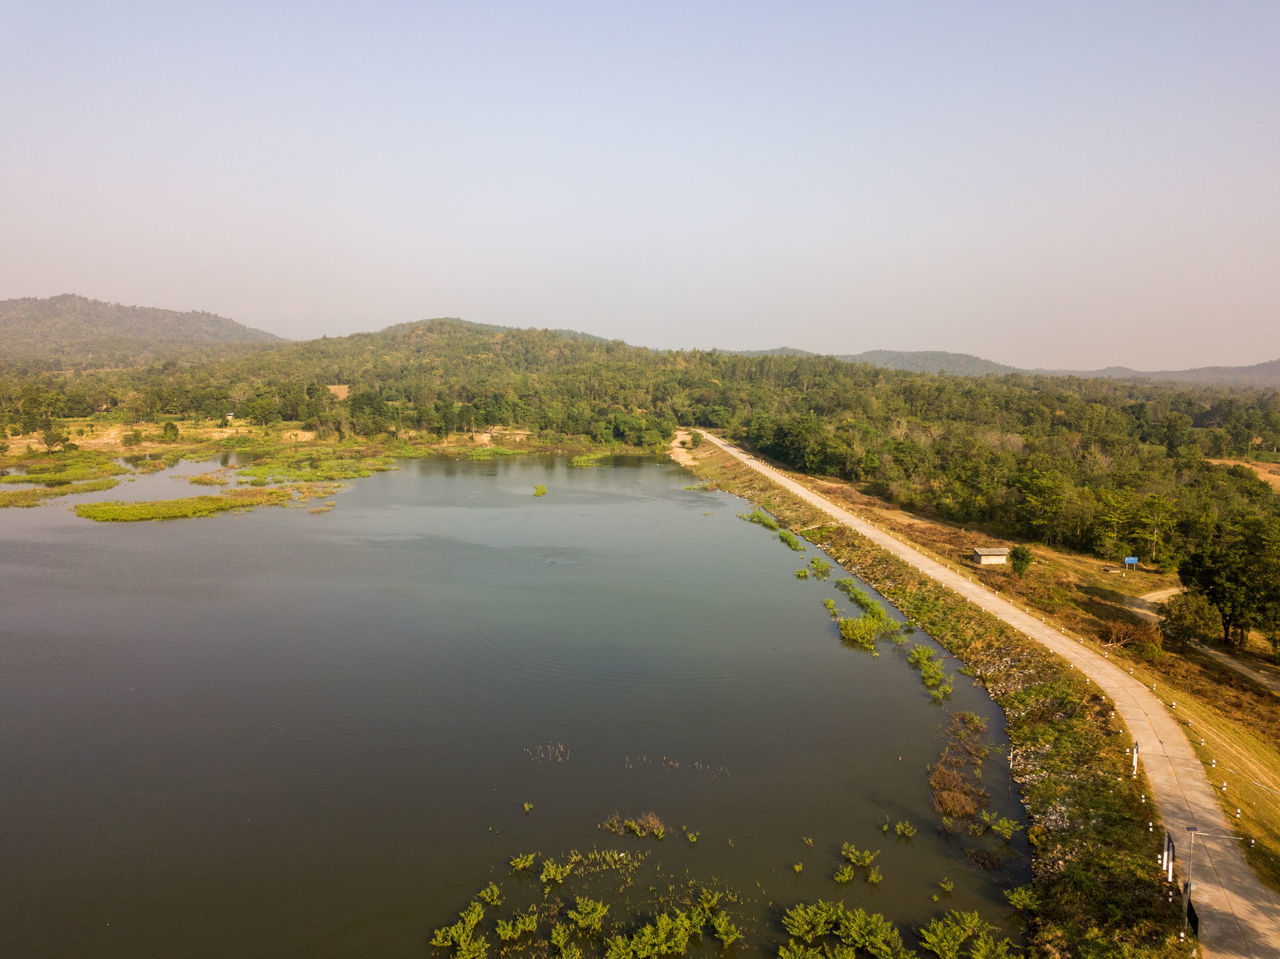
<point x="292" y="734"/>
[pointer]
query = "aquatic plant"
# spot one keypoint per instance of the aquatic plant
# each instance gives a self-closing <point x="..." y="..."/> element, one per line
<point x="724" y="928"/>
<point x="490" y="894"/>
<point x="861" y="858"/>
<point x="849" y="586"/>
<point x="802" y="574"/>
<point x="589" y="914"/>
<point x="115" y="511"/>
<point x="760" y="518"/>
<point x="553" y="871"/>
<point x="830" y="606"/>
<point x="1001" y="825"/>
<point x="646" y="824"/>
<point x="809" y="921"/>
<point x="528" y="808"/>
<point x="929" y="663"/>
<point x="521" y="862"/>
<point x="791" y="541"/>
<point x="860" y="632"/>
<point x="963" y="934"/>
<point x="523" y="923"/>
<point x="821" y="568"/>
<point x="461" y="935"/>
<point x="539" y="490"/>
<point x="904" y="829"/>
<point x="1023" y="898"/>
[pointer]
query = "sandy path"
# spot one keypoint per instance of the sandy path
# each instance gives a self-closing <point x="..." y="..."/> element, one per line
<point x="1145" y="607"/>
<point x="1239" y="916"/>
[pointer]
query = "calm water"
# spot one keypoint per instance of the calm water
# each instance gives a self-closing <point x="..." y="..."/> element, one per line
<point x="287" y="734"/>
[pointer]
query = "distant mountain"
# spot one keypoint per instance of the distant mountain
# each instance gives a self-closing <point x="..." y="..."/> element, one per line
<point x="929" y="361"/>
<point x="73" y="332"/>
<point x="776" y="351"/>
<point x="1259" y="376"/>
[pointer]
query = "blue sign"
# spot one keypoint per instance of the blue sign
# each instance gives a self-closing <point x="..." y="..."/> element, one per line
<point x="1131" y="561"/>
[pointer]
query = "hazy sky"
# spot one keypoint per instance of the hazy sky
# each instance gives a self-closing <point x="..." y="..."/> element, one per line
<point x="1044" y="184"/>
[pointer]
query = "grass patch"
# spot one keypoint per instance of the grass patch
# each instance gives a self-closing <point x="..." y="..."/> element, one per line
<point x="34" y="497"/>
<point x="186" y="508"/>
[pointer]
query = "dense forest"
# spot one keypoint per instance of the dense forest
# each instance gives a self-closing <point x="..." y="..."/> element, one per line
<point x="1109" y="467"/>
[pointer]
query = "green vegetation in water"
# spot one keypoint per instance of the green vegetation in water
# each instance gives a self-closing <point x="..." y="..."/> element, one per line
<point x="849" y="586"/>
<point x="522" y="861"/>
<point x="646" y="824"/>
<point x="34" y="497"/>
<point x="539" y="490"/>
<point x="62" y="469"/>
<point x="931" y="673"/>
<point x="209" y="479"/>
<point x="821" y="568"/>
<point x="830" y="606"/>
<point x="831" y="929"/>
<point x="862" y="633"/>
<point x="312" y="464"/>
<point x="904" y="829"/>
<point x="528" y="808"/>
<point x="589" y="460"/>
<point x="116" y="511"/>
<point x="594" y="905"/>
<point x="482" y="453"/>
<point x="760" y="518"/>
<point x="802" y="574"/>
<point x="790" y="540"/>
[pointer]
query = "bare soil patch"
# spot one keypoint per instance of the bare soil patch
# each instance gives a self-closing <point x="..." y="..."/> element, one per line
<point x="1267" y="472"/>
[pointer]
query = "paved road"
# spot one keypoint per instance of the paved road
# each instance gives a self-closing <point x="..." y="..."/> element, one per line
<point x="1239" y="917"/>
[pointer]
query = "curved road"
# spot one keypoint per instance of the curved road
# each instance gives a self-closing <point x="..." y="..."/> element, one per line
<point x="1239" y="917"/>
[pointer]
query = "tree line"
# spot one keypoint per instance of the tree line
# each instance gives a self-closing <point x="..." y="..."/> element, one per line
<point x="1100" y="466"/>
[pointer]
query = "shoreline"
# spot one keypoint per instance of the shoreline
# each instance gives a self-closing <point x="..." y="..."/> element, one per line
<point x="1238" y="914"/>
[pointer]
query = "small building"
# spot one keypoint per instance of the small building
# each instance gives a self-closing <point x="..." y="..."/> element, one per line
<point x="993" y="556"/>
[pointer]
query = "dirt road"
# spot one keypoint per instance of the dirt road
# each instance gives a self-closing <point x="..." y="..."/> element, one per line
<point x="1239" y="917"/>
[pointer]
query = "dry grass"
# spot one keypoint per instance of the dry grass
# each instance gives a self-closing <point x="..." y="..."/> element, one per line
<point x="1269" y="473"/>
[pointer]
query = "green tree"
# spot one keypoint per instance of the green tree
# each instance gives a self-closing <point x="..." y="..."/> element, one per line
<point x="1190" y="617"/>
<point x="1238" y="572"/>
<point x="52" y="436"/>
<point x="1020" y="559"/>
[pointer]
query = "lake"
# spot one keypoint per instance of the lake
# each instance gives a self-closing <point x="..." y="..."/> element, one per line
<point x="286" y="733"/>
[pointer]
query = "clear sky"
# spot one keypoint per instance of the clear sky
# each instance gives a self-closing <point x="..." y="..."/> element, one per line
<point x="1044" y="184"/>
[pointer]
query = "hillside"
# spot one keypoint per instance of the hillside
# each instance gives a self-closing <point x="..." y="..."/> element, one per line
<point x="929" y="361"/>
<point x="1258" y="376"/>
<point x="74" y="332"/>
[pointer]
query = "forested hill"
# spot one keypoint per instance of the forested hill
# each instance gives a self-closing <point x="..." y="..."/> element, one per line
<point x="930" y="361"/>
<point x="71" y="332"/>
<point x="1257" y="376"/>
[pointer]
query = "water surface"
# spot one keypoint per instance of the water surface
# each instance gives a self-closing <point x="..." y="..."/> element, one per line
<point x="294" y="734"/>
